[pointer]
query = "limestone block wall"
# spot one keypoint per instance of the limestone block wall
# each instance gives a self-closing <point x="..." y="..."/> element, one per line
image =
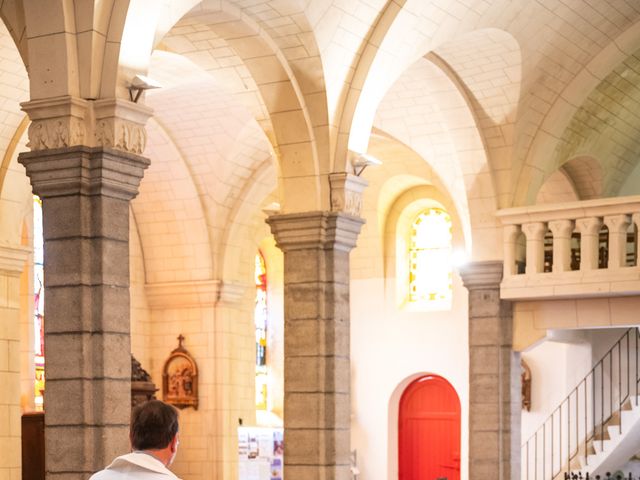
<point x="140" y="327"/>
<point x="27" y="364"/>
<point x="12" y="260"/>
<point x="219" y="335"/>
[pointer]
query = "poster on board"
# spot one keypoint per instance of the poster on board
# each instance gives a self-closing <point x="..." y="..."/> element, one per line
<point x="260" y="453"/>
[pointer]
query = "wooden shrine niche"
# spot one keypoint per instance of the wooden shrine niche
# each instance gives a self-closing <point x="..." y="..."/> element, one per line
<point x="142" y="387"/>
<point x="180" y="378"/>
<point x="526" y="385"/>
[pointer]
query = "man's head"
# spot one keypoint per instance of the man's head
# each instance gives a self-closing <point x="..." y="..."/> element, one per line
<point x="154" y="426"/>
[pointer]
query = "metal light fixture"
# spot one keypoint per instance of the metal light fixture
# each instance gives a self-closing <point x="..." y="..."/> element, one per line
<point x="139" y="84"/>
<point x="362" y="162"/>
<point x="272" y="209"/>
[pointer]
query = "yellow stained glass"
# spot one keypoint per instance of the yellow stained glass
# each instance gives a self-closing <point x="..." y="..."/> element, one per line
<point x="430" y="260"/>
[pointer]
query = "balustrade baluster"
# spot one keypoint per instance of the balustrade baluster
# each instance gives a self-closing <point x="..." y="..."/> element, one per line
<point x="589" y="229"/>
<point x="617" y="225"/>
<point x="511" y="233"/>
<point x="535" y="232"/>
<point x="562" y="230"/>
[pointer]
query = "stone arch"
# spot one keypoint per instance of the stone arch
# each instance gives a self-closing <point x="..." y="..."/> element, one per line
<point x="291" y="90"/>
<point x="345" y="116"/>
<point x="558" y="187"/>
<point x="573" y="96"/>
<point x="13" y="18"/>
<point x="447" y="137"/>
<point x="15" y="191"/>
<point x="402" y="169"/>
<point x="587" y="175"/>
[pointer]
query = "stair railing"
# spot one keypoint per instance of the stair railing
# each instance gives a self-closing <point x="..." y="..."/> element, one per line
<point x="582" y="419"/>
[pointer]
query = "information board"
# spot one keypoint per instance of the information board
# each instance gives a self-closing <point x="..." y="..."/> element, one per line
<point x="260" y="453"/>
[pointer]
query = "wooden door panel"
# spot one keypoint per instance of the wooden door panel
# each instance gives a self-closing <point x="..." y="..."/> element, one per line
<point x="429" y="431"/>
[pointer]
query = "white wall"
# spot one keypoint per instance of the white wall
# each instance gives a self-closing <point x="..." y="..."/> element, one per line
<point x="557" y="367"/>
<point x="388" y="349"/>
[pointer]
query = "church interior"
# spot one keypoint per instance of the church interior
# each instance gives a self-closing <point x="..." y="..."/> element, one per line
<point x="399" y="236"/>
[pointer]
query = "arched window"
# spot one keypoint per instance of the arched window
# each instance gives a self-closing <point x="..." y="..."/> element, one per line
<point x="430" y="264"/>
<point x="38" y="302"/>
<point x="260" y="320"/>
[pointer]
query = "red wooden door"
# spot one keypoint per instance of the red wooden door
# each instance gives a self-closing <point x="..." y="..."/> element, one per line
<point x="429" y="430"/>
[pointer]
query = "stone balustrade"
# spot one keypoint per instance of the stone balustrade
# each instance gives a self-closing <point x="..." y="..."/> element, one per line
<point x="570" y="250"/>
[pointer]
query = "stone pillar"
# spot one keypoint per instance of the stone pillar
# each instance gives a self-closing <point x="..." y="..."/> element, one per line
<point x="316" y="249"/>
<point x="12" y="260"/>
<point x="494" y="377"/>
<point x="85" y="191"/>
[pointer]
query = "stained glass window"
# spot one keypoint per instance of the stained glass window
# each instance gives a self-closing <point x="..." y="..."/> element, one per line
<point x="260" y="320"/>
<point x="38" y="306"/>
<point x="430" y="270"/>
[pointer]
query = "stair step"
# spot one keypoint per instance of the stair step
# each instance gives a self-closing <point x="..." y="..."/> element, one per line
<point x="601" y="446"/>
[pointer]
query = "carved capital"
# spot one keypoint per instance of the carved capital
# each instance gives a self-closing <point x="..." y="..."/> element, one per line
<point x="325" y="230"/>
<point x="534" y="230"/>
<point x="346" y="193"/>
<point x="561" y="228"/>
<point x="589" y="225"/>
<point x="617" y="223"/>
<point x="64" y="122"/>
<point x="482" y="275"/>
<point x="57" y="122"/>
<point x="119" y="124"/>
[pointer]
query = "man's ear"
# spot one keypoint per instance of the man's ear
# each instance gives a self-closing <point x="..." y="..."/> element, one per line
<point x="174" y="443"/>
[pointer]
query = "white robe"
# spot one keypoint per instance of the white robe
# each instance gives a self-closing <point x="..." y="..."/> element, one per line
<point x="136" y="465"/>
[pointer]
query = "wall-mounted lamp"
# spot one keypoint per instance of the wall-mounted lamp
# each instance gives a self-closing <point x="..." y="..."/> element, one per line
<point x="362" y="162"/>
<point x="139" y="84"/>
<point x="272" y="209"/>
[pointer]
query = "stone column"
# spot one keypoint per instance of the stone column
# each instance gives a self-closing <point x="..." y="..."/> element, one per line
<point x="316" y="249"/>
<point x="12" y="260"/>
<point x="86" y="190"/>
<point x="494" y="377"/>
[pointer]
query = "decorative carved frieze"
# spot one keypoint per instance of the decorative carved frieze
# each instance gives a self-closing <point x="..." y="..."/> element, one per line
<point x="120" y="124"/>
<point x="55" y="133"/>
<point x="346" y="193"/>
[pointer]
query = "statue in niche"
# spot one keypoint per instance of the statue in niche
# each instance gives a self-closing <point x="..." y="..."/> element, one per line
<point x="180" y="378"/>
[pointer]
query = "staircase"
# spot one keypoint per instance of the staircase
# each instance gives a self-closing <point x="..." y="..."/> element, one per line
<point x="596" y="428"/>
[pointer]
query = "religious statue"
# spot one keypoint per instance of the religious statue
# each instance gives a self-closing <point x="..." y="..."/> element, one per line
<point x="180" y="378"/>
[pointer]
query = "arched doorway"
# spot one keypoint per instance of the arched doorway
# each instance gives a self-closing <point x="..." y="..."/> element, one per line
<point x="429" y="430"/>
